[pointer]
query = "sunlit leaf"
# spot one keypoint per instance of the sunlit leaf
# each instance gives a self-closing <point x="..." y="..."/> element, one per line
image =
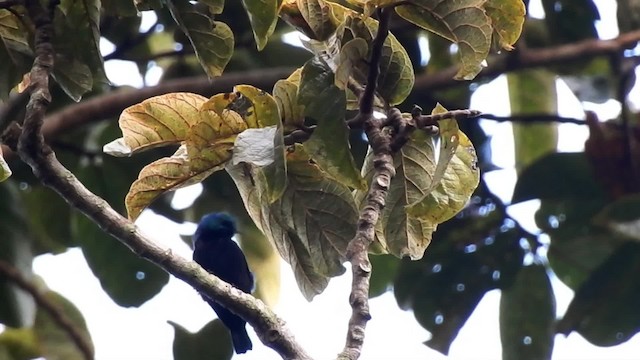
<point x="255" y="147"/>
<point x="19" y="344"/>
<point x="264" y="111"/>
<point x="211" y="342"/>
<point x="170" y="173"/>
<point x="157" y="121"/>
<point x="212" y="40"/>
<point x="464" y="23"/>
<point x="274" y="175"/>
<point x="54" y="341"/>
<point x="317" y="14"/>
<point x="528" y="315"/>
<point x="5" y="172"/>
<point x="263" y="15"/>
<point x="286" y="94"/>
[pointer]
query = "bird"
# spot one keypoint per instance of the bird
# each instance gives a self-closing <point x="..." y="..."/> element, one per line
<point x="215" y="250"/>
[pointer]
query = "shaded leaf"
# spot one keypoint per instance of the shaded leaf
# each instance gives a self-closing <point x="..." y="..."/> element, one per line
<point x="79" y="36"/>
<point x="54" y="342"/>
<point x="263" y="15"/>
<point x="157" y="121"/>
<point x="211" y="342"/>
<point x="263" y="261"/>
<point x="557" y="176"/>
<point x="128" y="279"/>
<point x="212" y="40"/>
<point x="317" y="15"/>
<point x="533" y="92"/>
<point x="15" y="53"/>
<point x="17" y="308"/>
<point x="216" y="6"/>
<point x="385" y="269"/>
<point x="73" y="76"/>
<point x="329" y="143"/>
<point x="352" y="52"/>
<point x="622" y="217"/>
<point x="43" y="204"/>
<point x="527" y="316"/>
<point x="286" y="94"/>
<point x="603" y="309"/>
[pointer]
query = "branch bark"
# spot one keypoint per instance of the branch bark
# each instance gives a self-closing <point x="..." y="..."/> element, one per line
<point x="35" y="152"/>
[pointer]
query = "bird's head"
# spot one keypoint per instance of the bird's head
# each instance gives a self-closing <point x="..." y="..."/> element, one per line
<point x="217" y="225"/>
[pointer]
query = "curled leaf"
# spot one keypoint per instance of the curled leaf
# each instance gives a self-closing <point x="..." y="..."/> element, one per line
<point x="5" y="172"/>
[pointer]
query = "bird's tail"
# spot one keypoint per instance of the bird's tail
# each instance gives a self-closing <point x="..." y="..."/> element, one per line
<point x="241" y="341"/>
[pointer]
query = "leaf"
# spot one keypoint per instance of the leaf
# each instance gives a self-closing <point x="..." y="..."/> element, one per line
<point x="527" y="316"/>
<point x="452" y="193"/>
<point x="310" y="225"/>
<point x="385" y="269"/>
<point x="55" y="343"/>
<point x="167" y="174"/>
<point x="264" y="109"/>
<point x="353" y="52"/>
<point x="17" y="308"/>
<point x="541" y="180"/>
<point x="18" y="344"/>
<point x="157" y="121"/>
<point x="5" y="171"/>
<point x="396" y="232"/>
<point x="73" y="76"/>
<point x="603" y="309"/>
<point x="622" y="217"/>
<point x="263" y="261"/>
<point x="464" y="23"/>
<point x="42" y="205"/>
<point x="531" y="92"/>
<point x="274" y="175"/>
<point x="263" y="15"/>
<point x="128" y="279"/>
<point x="78" y="33"/>
<point x="15" y="53"/>
<point x="317" y="15"/>
<point x="329" y="143"/>
<point x="255" y="147"/>
<point x="285" y="93"/>
<point x="212" y="40"/>
<point x="396" y="78"/>
<point x="212" y="341"/>
<point x="120" y="8"/>
<point x="507" y="19"/>
<point x="216" y="6"/>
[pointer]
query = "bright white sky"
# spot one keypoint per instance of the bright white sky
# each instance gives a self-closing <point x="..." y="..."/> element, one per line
<point x="143" y="333"/>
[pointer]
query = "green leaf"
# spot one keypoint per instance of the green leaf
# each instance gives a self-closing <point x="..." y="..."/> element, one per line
<point x="216" y="6"/>
<point x="264" y="110"/>
<point x="17" y="308"/>
<point x="263" y="15"/>
<point x="286" y="94"/>
<point x="622" y="217"/>
<point x="274" y="175"/>
<point x="352" y="53"/>
<point x="385" y="269"/>
<point x="395" y="81"/>
<point x="55" y="343"/>
<point x="310" y="225"/>
<point x="212" y="40"/>
<point x="507" y="19"/>
<point x="73" y="76"/>
<point x="317" y="15"/>
<point x="43" y="204"/>
<point x="15" y="53"/>
<point x="604" y="308"/>
<point x="128" y="279"/>
<point x="211" y="342"/>
<point x="527" y="316"/>
<point x="158" y="121"/>
<point x="558" y="176"/>
<point x="18" y="344"/>
<point x="396" y="232"/>
<point x="120" y="8"/>
<point x="464" y="23"/>
<point x="329" y="143"/>
<point x="531" y="92"/>
<point x="78" y="34"/>
<point x="5" y="171"/>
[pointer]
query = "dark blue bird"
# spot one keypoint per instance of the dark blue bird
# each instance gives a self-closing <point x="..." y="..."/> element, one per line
<point x="217" y="253"/>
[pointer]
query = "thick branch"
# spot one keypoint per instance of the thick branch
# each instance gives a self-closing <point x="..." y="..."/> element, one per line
<point x="56" y="313"/>
<point x="358" y="248"/>
<point x="35" y="152"/>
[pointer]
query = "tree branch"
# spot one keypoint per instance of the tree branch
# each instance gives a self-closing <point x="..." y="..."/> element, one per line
<point x="533" y="118"/>
<point x="56" y="313"/>
<point x="35" y="152"/>
<point x="357" y="250"/>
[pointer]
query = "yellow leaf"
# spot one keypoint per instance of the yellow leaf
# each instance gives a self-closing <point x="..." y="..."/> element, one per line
<point x="5" y="172"/>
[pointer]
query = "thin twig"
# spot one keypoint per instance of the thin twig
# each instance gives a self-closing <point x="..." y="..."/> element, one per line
<point x="533" y="118"/>
<point x="357" y="250"/>
<point x="57" y="314"/>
